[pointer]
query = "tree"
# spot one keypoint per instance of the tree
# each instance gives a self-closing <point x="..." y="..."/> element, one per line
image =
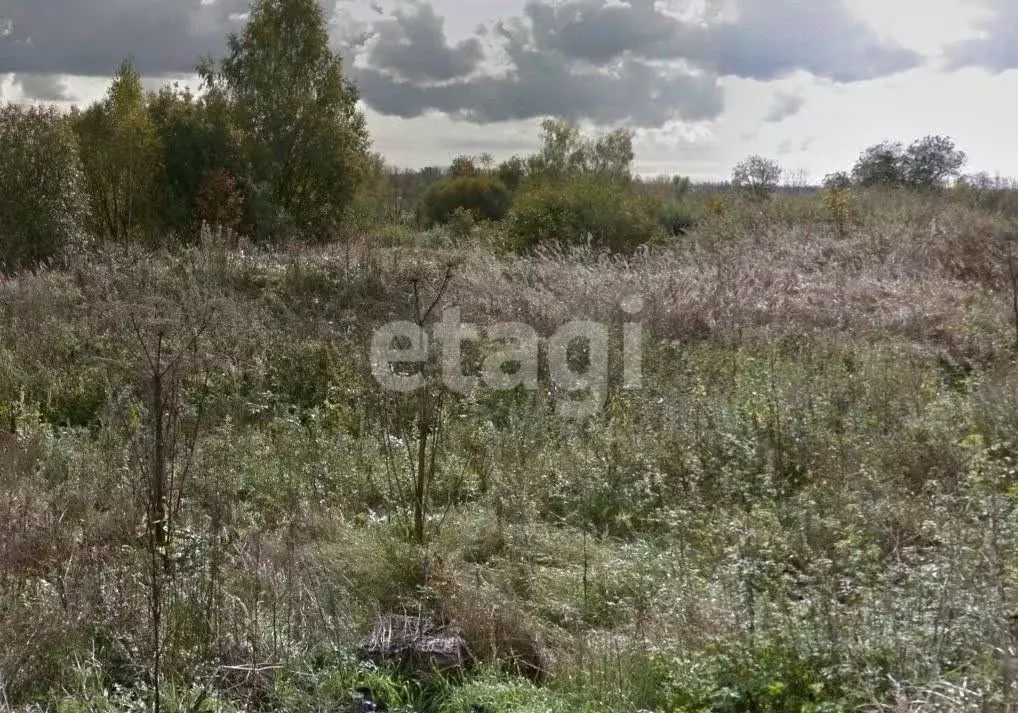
<point x="680" y="186"/>
<point x="757" y="175"/>
<point x="306" y="141"/>
<point x="611" y="155"/>
<point x="567" y="153"/>
<point x="43" y="204"/>
<point x="839" y="181"/>
<point x="201" y="154"/>
<point x="930" y="161"/>
<point x="926" y="164"/>
<point x="464" y="166"/>
<point x="882" y="164"/>
<point x="511" y="172"/>
<point x="561" y="147"/>
<point x="120" y="156"/>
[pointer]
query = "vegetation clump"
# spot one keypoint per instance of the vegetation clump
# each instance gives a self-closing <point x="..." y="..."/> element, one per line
<point x="44" y="207"/>
<point x="485" y="197"/>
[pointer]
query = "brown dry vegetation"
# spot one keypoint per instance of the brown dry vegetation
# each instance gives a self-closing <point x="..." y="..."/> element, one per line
<point x="810" y="504"/>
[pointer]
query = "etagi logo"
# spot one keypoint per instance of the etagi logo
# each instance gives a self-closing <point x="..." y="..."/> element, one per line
<point x="515" y="361"/>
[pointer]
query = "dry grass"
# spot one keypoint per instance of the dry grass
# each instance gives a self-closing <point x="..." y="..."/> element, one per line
<point x="812" y="466"/>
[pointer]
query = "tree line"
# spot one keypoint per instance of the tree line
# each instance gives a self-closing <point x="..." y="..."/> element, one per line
<point x="273" y="146"/>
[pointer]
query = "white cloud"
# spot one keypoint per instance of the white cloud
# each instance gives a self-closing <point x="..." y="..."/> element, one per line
<point x="995" y="45"/>
<point x="785" y="105"/>
<point x="926" y="26"/>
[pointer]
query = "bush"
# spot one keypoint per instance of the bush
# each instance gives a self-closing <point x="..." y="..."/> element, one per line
<point x="774" y="677"/>
<point x="840" y="206"/>
<point x="219" y="201"/>
<point x="40" y="180"/>
<point x="461" y="224"/>
<point x="677" y="218"/>
<point x="572" y="212"/>
<point x="839" y="181"/>
<point x="486" y="197"/>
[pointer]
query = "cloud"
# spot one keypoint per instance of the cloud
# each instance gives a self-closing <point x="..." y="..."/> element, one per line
<point x="996" y="49"/>
<point x="632" y="93"/>
<point x="90" y="37"/>
<point x="609" y="61"/>
<point x="785" y="105"/>
<point x="44" y="87"/>
<point x="613" y="61"/>
<point x="599" y="31"/>
<point x="760" y="40"/>
<point x="413" y="45"/>
<point x="538" y="81"/>
<point x="769" y="40"/>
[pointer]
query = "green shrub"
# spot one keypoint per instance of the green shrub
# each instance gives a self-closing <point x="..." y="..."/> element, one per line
<point x="75" y="400"/>
<point x="493" y="691"/>
<point x="772" y="678"/>
<point x="677" y="218"/>
<point x="512" y="172"/>
<point x="300" y="374"/>
<point x="573" y="212"/>
<point x="41" y="184"/>
<point x="486" y="197"/>
<point x="264" y="218"/>
<point x="462" y="223"/>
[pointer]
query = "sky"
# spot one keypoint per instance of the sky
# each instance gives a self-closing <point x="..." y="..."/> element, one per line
<point x="703" y="83"/>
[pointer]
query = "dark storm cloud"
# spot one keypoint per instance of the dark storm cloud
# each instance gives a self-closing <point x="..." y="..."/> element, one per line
<point x="997" y="47"/>
<point x="541" y="85"/>
<point x="772" y="39"/>
<point x="539" y="79"/>
<point x="765" y="40"/>
<point x="90" y="37"/>
<point x="599" y="31"/>
<point x="412" y="44"/>
<point x="785" y="105"/>
<point x="603" y="60"/>
<point x="612" y="61"/>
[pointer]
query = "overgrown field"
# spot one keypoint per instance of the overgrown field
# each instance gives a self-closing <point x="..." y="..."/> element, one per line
<point x="809" y="504"/>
